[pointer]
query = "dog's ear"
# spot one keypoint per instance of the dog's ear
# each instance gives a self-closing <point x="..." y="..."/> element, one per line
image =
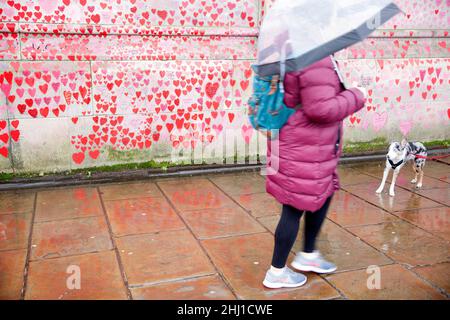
<point x="404" y="142"/>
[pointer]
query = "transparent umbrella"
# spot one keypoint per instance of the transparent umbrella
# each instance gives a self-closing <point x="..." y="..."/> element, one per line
<point x="301" y="32"/>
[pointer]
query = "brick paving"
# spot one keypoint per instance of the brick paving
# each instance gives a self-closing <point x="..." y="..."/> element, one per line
<point x="211" y="237"/>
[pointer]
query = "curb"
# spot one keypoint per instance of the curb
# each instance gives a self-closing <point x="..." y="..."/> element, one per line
<point x="174" y="172"/>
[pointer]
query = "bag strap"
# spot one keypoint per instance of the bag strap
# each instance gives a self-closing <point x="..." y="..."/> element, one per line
<point x="283" y="64"/>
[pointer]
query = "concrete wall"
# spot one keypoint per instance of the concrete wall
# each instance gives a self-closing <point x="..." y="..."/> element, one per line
<point x="89" y="82"/>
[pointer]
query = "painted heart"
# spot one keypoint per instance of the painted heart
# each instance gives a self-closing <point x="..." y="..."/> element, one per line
<point x="247" y="132"/>
<point x="78" y="157"/>
<point x="15" y="134"/>
<point x="94" y="154"/>
<point x="405" y="127"/>
<point x="4" y="152"/>
<point x="211" y="89"/>
<point x="379" y="120"/>
<point x="4" y="137"/>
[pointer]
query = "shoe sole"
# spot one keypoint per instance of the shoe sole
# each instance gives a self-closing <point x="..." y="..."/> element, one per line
<point x="311" y="268"/>
<point x="278" y="285"/>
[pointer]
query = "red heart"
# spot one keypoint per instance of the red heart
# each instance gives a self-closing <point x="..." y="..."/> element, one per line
<point x="44" y="112"/>
<point x="43" y="88"/>
<point x="95" y="18"/>
<point x="244" y="84"/>
<point x="21" y="107"/>
<point x="8" y="76"/>
<point x="15" y="135"/>
<point x="4" y="152"/>
<point x="94" y="154"/>
<point x="162" y="14"/>
<point x="33" y="112"/>
<point x="4" y="137"/>
<point x="78" y="157"/>
<point x="211" y="89"/>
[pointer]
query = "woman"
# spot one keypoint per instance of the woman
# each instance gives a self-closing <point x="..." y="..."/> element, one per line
<point x="305" y="162"/>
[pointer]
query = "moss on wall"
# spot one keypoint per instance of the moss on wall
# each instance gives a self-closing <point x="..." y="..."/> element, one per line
<point x="381" y="144"/>
<point x="350" y="148"/>
<point x="125" y="155"/>
<point x="377" y="144"/>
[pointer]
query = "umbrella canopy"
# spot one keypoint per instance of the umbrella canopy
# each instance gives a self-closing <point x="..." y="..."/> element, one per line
<point x="305" y="31"/>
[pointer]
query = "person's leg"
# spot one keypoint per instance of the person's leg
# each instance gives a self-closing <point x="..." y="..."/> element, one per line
<point x="310" y="259"/>
<point x="285" y="235"/>
<point x="313" y="223"/>
<point x="280" y="276"/>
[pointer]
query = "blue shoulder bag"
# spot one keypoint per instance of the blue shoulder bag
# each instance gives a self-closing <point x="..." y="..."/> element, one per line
<point x="266" y="110"/>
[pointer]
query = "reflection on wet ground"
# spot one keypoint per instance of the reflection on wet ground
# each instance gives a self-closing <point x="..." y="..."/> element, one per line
<point x="211" y="237"/>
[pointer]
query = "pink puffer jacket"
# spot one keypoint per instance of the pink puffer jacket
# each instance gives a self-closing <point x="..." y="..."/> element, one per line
<point x="301" y="164"/>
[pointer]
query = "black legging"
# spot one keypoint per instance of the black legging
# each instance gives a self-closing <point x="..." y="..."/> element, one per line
<point x="287" y="231"/>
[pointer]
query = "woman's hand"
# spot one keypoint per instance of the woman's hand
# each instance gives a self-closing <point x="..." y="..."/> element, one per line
<point x="362" y="89"/>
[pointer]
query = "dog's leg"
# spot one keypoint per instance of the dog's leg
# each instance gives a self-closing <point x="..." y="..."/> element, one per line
<point x="419" y="185"/>
<point x="416" y="172"/>
<point x="385" y="175"/>
<point x="394" y="178"/>
<point x="420" y="167"/>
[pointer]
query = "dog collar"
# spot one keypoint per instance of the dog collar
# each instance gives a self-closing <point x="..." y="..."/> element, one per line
<point x="395" y="165"/>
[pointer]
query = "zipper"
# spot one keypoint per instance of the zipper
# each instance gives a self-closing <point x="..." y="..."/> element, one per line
<point x="338" y="140"/>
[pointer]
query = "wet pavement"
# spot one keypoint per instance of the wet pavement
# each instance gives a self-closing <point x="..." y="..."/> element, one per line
<point x="211" y="237"/>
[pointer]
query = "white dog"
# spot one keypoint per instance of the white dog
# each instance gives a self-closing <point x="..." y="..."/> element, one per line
<point x="398" y="155"/>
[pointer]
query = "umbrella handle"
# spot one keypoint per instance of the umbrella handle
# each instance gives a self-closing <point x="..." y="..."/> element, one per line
<point x="336" y="68"/>
<point x="283" y="64"/>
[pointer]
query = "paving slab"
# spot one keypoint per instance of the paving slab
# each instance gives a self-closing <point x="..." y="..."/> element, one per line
<point x="437" y="274"/>
<point x="12" y="264"/>
<point x="259" y="204"/>
<point x="237" y="184"/>
<point x="67" y="203"/>
<point x="194" y="193"/>
<point x="202" y="288"/>
<point x="55" y="279"/>
<point x="348" y="210"/>
<point x="221" y="222"/>
<point x="403" y="199"/>
<point x="165" y="256"/>
<point x="244" y="260"/>
<point x="337" y="245"/>
<point x="129" y="191"/>
<point x="434" y="220"/>
<point x="16" y="202"/>
<point x="142" y="215"/>
<point x="405" y="243"/>
<point x="14" y="231"/>
<point x="61" y="238"/>
<point x="396" y="283"/>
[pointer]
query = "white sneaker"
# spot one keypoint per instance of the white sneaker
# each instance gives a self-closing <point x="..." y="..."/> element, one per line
<point x="287" y="279"/>
<point x="312" y="262"/>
